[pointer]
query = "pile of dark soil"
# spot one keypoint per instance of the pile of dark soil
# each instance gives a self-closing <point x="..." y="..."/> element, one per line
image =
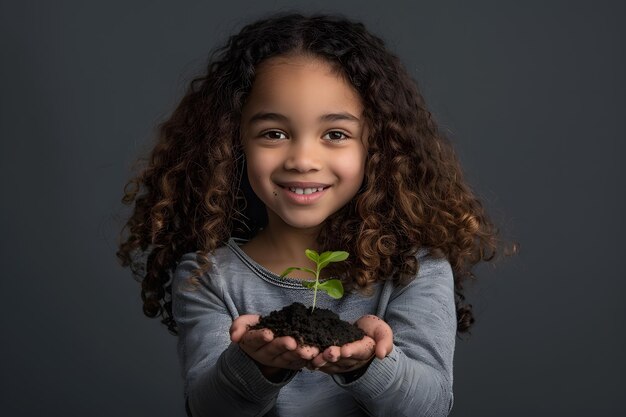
<point x="322" y="328"/>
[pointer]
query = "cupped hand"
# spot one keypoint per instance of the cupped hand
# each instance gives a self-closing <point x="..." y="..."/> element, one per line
<point x="378" y="341"/>
<point x="271" y="353"/>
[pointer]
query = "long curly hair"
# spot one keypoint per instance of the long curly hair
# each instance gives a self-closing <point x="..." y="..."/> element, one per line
<point x="191" y="194"/>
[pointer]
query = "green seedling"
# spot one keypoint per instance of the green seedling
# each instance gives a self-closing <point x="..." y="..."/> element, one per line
<point x="332" y="287"/>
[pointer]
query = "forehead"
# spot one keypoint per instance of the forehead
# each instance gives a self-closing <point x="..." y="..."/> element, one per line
<point x="295" y="61"/>
<point x="301" y="80"/>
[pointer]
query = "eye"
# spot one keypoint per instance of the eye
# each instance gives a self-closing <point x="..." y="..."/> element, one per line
<point x="274" y="134"/>
<point x="336" y="136"/>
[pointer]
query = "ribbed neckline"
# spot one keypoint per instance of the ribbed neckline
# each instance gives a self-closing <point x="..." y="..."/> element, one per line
<point x="263" y="272"/>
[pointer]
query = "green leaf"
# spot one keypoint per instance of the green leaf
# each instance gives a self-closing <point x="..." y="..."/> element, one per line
<point x="308" y="284"/>
<point x="332" y="287"/>
<point x="312" y="255"/>
<point x="296" y="268"/>
<point x="339" y="256"/>
<point x="332" y="257"/>
<point x="325" y="255"/>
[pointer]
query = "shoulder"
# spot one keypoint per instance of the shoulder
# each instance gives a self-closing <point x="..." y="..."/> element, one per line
<point x="430" y="262"/>
<point x="217" y="257"/>
<point x="434" y="273"/>
<point x="189" y="265"/>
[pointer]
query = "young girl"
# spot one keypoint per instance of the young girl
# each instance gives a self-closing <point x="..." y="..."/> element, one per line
<point x="305" y="132"/>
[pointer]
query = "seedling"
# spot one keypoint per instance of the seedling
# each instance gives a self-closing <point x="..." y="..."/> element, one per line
<point x="332" y="287"/>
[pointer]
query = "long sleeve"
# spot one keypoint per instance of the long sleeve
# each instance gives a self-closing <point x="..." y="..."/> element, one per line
<point x="220" y="379"/>
<point x="416" y="378"/>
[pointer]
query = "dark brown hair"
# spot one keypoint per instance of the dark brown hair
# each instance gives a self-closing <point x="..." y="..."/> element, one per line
<point x="192" y="194"/>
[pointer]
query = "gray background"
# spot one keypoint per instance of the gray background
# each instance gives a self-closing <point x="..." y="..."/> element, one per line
<point x="531" y="93"/>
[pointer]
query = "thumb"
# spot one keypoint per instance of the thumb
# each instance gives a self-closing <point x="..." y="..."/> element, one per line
<point x="240" y="326"/>
<point x="380" y="331"/>
<point x="383" y="336"/>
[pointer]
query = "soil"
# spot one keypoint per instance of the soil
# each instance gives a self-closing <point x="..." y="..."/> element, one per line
<point x="322" y="328"/>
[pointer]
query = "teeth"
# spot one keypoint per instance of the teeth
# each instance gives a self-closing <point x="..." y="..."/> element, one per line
<point x="305" y="190"/>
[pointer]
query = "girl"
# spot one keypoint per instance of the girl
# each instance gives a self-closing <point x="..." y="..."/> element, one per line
<point x="305" y="132"/>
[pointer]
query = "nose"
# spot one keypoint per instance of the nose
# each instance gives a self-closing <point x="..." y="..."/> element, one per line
<point x="304" y="155"/>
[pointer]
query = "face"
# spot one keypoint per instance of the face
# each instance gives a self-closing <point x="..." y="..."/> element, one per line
<point x="302" y="132"/>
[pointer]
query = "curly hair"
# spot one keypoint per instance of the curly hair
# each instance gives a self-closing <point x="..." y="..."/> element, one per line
<point x="195" y="196"/>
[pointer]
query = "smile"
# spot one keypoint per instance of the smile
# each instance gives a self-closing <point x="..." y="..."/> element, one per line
<point x="305" y="190"/>
<point x="301" y="195"/>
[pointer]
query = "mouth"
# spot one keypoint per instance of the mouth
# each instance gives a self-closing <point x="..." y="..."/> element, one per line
<point x="305" y="191"/>
<point x="304" y="188"/>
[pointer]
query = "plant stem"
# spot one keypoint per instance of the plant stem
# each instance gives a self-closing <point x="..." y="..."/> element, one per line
<point x="317" y="281"/>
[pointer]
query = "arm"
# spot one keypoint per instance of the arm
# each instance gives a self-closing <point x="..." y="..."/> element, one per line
<point x="220" y="379"/>
<point x="416" y="377"/>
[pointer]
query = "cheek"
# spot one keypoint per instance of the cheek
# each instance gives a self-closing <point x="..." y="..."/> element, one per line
<point x="259" y="171"/>
<point x="254" y="165"/>
<point x="255" y="177"/>
<point x="353" y="169"/>
<point x="252" y="171"/>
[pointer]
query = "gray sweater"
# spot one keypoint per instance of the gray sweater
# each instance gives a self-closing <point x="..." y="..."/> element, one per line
<point x="415" y="379"/>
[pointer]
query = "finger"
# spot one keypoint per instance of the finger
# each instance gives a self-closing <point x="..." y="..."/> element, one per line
<point x="382" y="352"/>
<point x="268" y="352"/>
<point x="318" y="361"/>
<point x="380" y="331"/>
<point x="276" y="355"/>
<point x="332" y="354"/>
<point x="307" y="352"/>
<point x="347" y="363"/>
<point x="383" y="338"/>
<point x="255" y="339"/>
<point x="362" y="349"/>
<point x="289" y="360"/>
<point x="241" y="324"/>
<point x="280" y="345"/>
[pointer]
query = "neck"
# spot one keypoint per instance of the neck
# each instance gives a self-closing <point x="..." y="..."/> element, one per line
<point x="287" y="243"/>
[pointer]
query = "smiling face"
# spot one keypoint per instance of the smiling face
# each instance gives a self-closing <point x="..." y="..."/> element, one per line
<point x="302" y="132"/>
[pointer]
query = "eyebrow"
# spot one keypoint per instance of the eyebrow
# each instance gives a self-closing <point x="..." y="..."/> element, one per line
<point x="329" y="117"/>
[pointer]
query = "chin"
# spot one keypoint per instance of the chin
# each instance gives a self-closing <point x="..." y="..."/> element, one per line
<point x="304" y="225"/>
<point x="303" y="221"/>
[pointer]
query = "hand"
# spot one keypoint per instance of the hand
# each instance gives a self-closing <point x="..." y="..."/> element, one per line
<point x="271" y="354"/>
<point x="378" y="341"/>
